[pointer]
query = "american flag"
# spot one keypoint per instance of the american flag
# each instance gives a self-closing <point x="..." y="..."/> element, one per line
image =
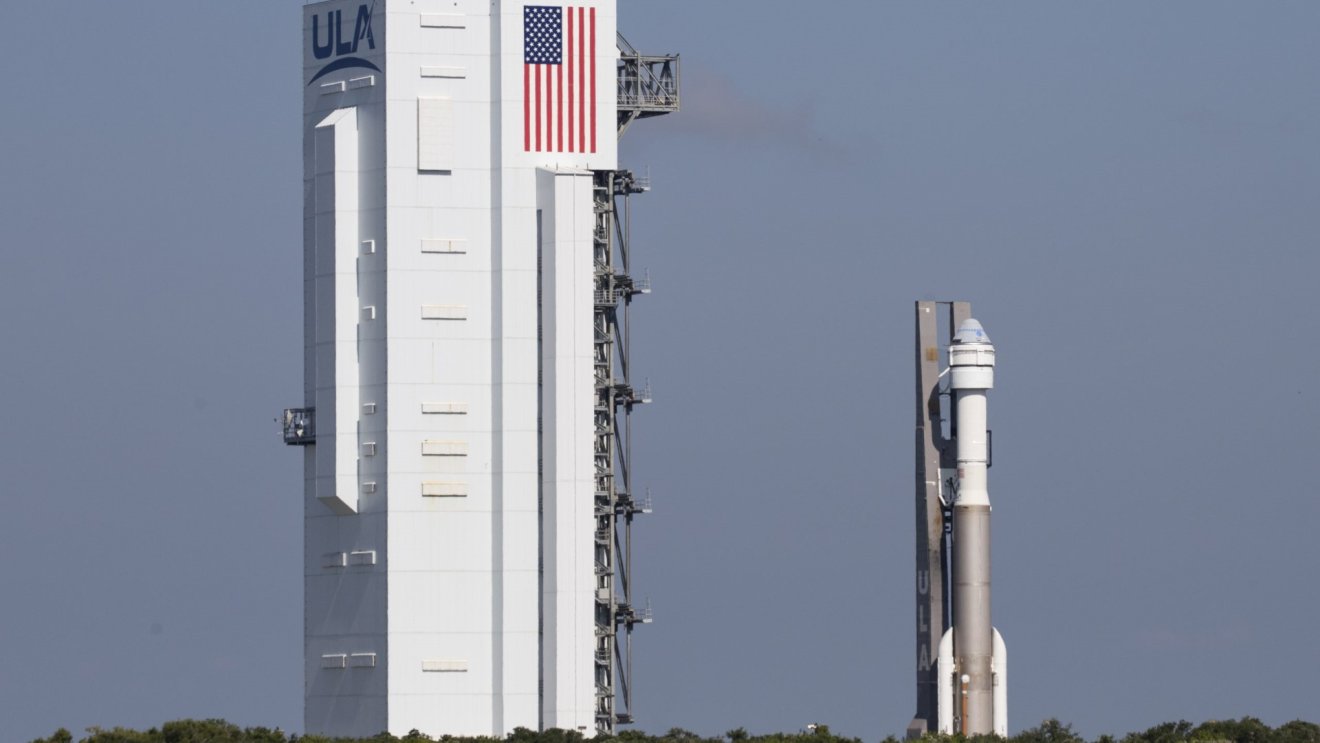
<point x="559" y="79"/>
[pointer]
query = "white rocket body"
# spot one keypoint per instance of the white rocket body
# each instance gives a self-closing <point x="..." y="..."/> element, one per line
<point x="972" y="657"/>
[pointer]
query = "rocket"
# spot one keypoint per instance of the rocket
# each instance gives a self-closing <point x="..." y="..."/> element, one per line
<point x="973" y="685"/>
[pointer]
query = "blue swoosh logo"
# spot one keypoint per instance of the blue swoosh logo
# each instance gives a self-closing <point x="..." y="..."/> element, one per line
<point x="343" y="63"/>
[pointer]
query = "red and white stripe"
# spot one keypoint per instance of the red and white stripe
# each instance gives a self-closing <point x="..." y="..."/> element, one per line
<point x="559" y="100"/>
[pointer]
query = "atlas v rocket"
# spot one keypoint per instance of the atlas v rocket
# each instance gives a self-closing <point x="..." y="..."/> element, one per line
<point x="964" y="687"/>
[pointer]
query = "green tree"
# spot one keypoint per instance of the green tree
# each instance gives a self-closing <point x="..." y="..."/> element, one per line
<point x="122" y="735"/>
<point x="1297" y="731"/>
<point x="1049" y="731"/>
<point x="1168" y="732"/>
<point x="1246" y="730"/>
<point x="201" y="731"/>
<point x="263" y="735"/>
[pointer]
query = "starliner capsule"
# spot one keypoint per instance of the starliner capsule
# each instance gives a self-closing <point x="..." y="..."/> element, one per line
<point x="972" y="657"/>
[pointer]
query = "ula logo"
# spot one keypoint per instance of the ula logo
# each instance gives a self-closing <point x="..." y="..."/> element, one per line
<point x="340" y="45"/>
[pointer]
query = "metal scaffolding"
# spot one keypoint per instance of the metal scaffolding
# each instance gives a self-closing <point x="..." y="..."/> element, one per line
<point x="648" y="86"/>
<point x="616" y="502"/>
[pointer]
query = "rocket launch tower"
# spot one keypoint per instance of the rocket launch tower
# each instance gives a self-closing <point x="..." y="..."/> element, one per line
<point x="962" y="663"/>
<point x="467" y="279"/>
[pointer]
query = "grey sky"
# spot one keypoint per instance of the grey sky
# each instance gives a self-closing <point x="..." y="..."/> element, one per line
<point x="1126" y="191"/>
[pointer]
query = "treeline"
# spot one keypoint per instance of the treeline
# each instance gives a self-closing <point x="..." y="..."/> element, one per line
<point x="1245" y="730"/>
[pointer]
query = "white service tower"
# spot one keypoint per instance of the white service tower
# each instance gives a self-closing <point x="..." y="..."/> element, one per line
<point x="452" y="154"/>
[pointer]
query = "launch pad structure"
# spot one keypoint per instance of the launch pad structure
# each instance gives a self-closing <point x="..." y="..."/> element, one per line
<point x="961" y="659"/>
<point x="469" y="277"/>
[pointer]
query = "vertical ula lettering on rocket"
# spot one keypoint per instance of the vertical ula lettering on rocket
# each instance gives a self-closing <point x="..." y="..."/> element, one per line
<point x="559" y="79"/>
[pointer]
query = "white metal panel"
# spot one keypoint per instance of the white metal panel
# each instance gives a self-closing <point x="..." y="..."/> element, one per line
<point x="453" y="72"/>
<point x="440" y="489"/>
<point x="410" y="357"/>
<point x="449" y="31"/>
<point x="442" y="448"/>
<point x="443" y="542"/>
<point x="444" y="245"/>
<point x="437" y="665"/>
<point x="445" y="408"/>
<point x="468" y="295"/>
<point x="457" y="195"/>
<point x="441" y="20"/>
<point x="460" y="362"/>
<point x="451" y="600"/>
<point x="336" y="188"/>
<point x="444" y="312"/>
<point x="435" y="132"/>
<point x="567" y="418"/>
<point x="443" y="701"/>
<point x="455" y="645"/>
